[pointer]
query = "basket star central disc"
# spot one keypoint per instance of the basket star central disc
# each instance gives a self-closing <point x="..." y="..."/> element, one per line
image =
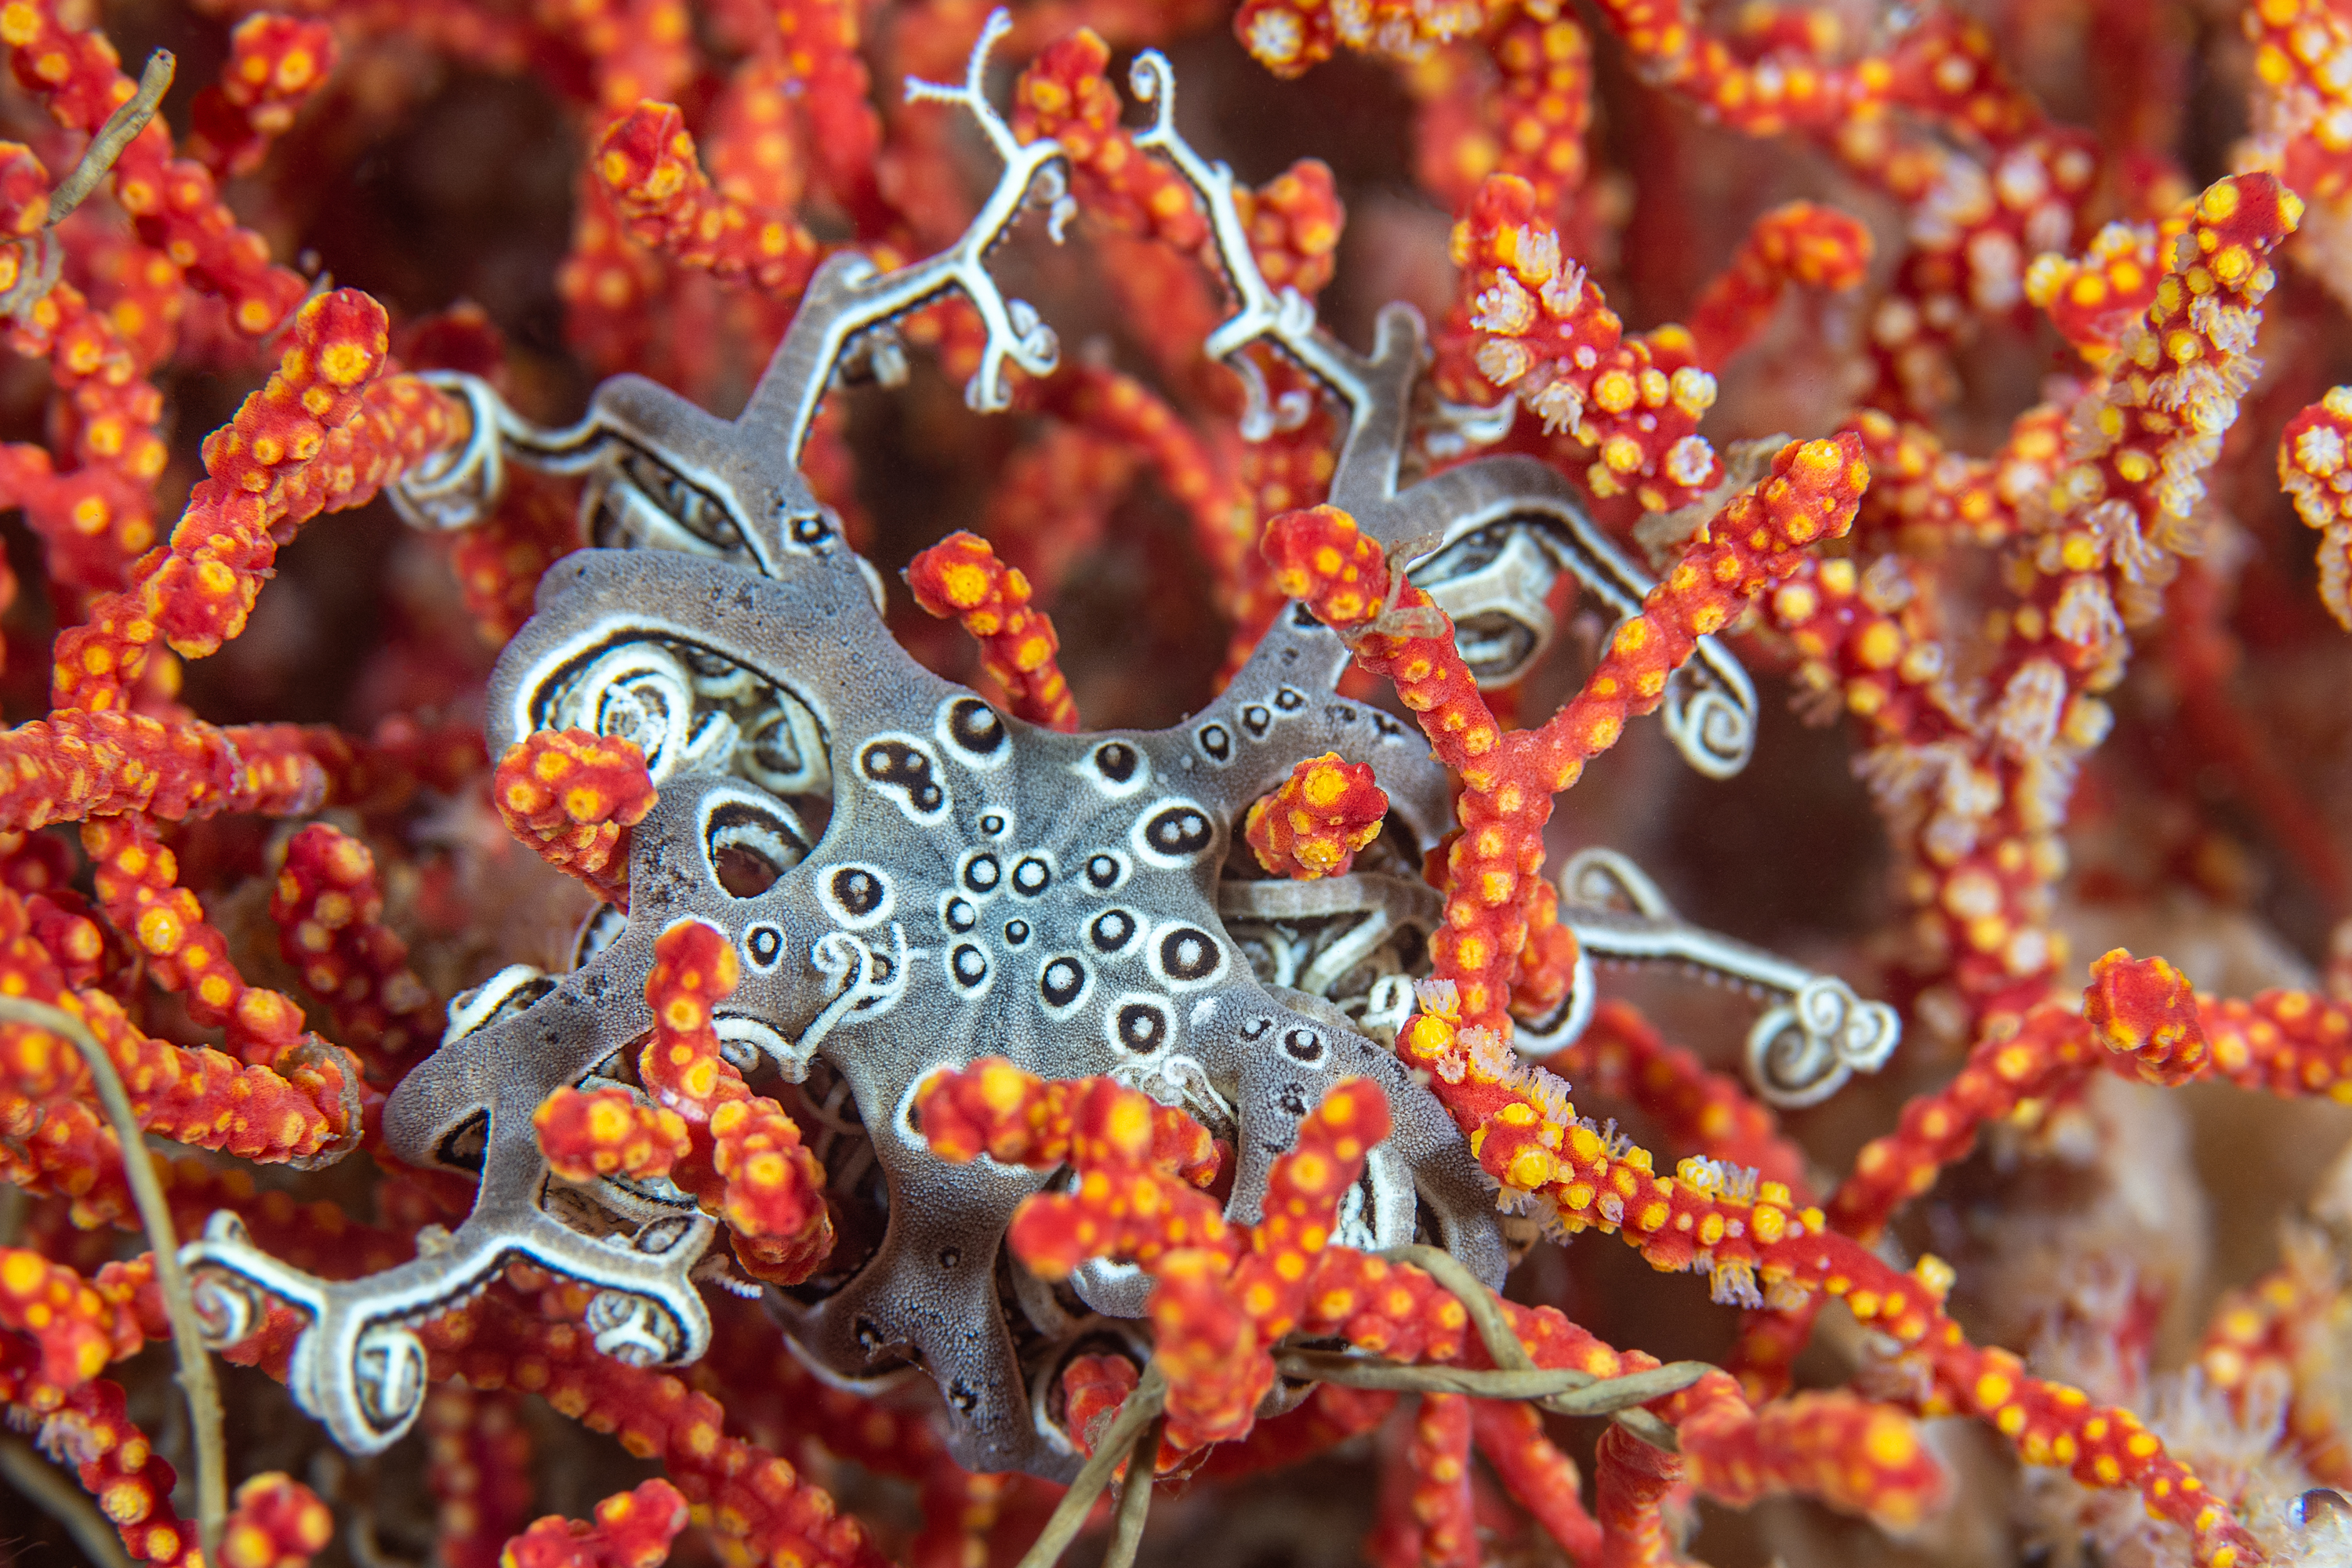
<point x="982" y="887"/>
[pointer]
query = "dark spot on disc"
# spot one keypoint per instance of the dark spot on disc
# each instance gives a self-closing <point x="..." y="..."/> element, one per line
<point x="969" y="964"/>
<point x="973" y="725"/>
<point x="1179" y="830"/>
<point x="1102" y="871"/>
<point x="1217" y="740"/>
<point x="810" y="530"/>
<point x="982" y="873"/>
<point x="1303" y="1044"/>
<point x="1257" y="721"/>
<point x="766" y="944"/>
<point x="1255" y="1028"/>
<point x="1016" y="931"/>
<point x="1060" y="982"/>
<point x="895" y="765"/>
<point x="1112" y="929"/>
<point x="1293" y="1098"/>
<point x="1031" y="876"/>
<point x="1116" y="759"/>
<point x="856" y="890"/>
<point x="961" y="915"/>
<point x="992" y="824"/>
<point x="1289" y="699"/>
<point x="1188" y="953"/>
<point x="1141" y="1028"/>
<point x="951" y="1256"/>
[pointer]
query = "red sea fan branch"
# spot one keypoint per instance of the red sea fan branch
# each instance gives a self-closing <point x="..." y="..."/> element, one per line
<point x="326" y="433"/>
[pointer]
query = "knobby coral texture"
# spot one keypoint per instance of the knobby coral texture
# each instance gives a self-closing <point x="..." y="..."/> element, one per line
<point x="1094" y="783"/>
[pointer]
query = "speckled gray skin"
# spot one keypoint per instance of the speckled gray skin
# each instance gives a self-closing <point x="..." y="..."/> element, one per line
<point x="980" y="887"/>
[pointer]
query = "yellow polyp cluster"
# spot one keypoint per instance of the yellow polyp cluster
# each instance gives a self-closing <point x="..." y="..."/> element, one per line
<point x="1803" y="243"/>
<point x="2313" y="469"/>
<point x="736" y="1153"/>
<point x="2300" y="51"/>
<point x="961" y="578"/>
<point x="576" y="797"/>
<point x="1315" y="821"/>
<point x="73" y="1325"/>
<point x="1542" y="333"/>
<point x="648" y="160"/>
<point x="325" y="433"/>
<point x="607" y="1132"/>
<point x="138" y="887"/>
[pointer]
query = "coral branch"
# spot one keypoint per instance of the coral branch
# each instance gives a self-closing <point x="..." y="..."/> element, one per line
<point x="1801" y="243"/>
<point x="330" y="915"/>
<point x="1541" y="331"/>
<point x="608" y="1132"/>
<point x="1757" y="539"/>
<point x="75" y="764"/>
<point x="648" y="160"/>
<point x="479" y="1473"/>
<point x="175" y="202"/>
<point x="1526" y="1135"/>
<point x="278" y="1522"/>
<point x="1063" y="94"/>
<point x="632" y="1529"/>
<point x="77" y="1330"/>
<point x="1144" y="1162"/>
<point x="138" y="889"/>
<point x="1443" y="1531"/>
<point x="745" y="1160"/>
<point x="1541" y="1478"/>
<point x="960" y="578"/>
<point x="276" y="65"/>
<point x="2311" y="465"/>
<point x="118" y="1465"/>
<point x="1620" y="1057"/>
<point x="1632" y="1484"/>
<point x="326" y="433"/>
<point x="1313" y="824"/>
<point x="757" y="1503"/>
<point x="574" y="797"/>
